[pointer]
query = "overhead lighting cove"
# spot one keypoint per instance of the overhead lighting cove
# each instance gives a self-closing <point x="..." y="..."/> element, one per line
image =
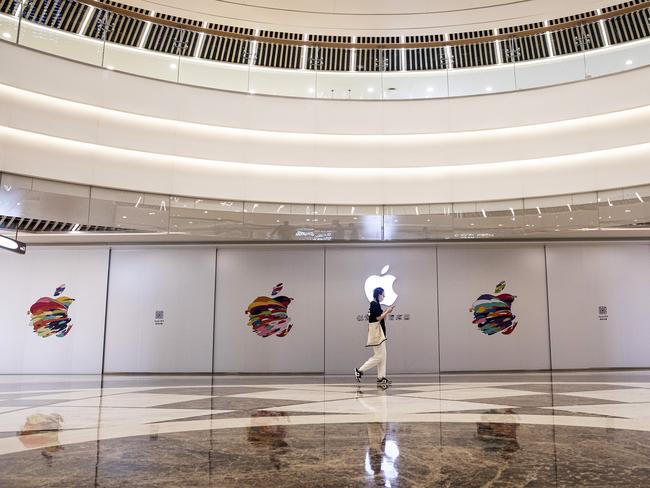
<point x="12" y="245"/>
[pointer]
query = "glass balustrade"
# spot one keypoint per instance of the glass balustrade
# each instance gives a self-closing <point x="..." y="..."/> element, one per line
<point x="180" y="55"/>
<point x="68" y="209"/>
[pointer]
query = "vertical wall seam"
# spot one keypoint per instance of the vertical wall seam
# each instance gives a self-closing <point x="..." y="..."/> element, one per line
<point x="324" y="308"/>
<point x="214" y="310"/>
<point x="108" y="283"/>
<point x="548" y="312"/>
<point x="438" y="313"/>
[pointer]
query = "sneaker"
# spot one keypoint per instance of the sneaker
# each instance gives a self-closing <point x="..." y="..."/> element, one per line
<point x="383" y="381"/>
<point x="358" y="374"/>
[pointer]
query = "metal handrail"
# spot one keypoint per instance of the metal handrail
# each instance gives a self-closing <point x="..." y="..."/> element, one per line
<point x="363" y="46"/>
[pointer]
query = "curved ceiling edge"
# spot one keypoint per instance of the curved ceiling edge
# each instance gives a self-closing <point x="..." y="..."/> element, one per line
<point x="372" y="17"/>
<point x="29" y="111"/>
<point x="48" y="157"/>
<point x="132" y="94"/>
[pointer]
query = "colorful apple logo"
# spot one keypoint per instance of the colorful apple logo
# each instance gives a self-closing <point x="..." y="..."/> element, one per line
<point x="49" y="316"/>
<point x="492" y="313"/>
<point x="268" y="316"/>
<point x="384" y="281"/>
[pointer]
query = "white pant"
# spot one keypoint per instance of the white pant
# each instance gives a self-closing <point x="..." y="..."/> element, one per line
<point x="378" y="359"/>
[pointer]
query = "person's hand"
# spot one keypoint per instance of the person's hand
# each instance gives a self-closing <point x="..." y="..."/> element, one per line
<point x="391" y="308"/>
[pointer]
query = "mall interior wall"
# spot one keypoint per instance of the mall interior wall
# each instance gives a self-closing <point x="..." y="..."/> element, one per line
<point x="183" y="308"/>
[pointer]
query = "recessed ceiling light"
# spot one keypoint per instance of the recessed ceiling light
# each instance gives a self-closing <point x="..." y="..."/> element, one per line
<point x="489" y="89"/>
<point x="371" y="89"/>
<point x="6" y="35"/>
<point x="429" y="89"/>
<point x="110" y="67"/>
<point x="629" y="62"/>
<point x="173" y="66"/>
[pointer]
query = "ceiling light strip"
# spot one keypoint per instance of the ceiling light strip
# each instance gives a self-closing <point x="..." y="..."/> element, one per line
<point x="84" y="24"/>
<point x="254" y="44"/>
<point x="199" y="42"/>
<point x="497" y="47"/>
<point x="549" y="41"/>
<point x="603" y="31"/>
<point x="145" y="33"/>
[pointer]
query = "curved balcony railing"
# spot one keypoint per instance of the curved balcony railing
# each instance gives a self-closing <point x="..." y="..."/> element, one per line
<point x="158" y="46"/>
<point x="30" y="206"/>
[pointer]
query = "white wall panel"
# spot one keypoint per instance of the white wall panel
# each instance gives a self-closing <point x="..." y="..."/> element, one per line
<point x="243" y="275"/>
<point x="582" y="278"/>
<point x="412" y="345"/>
<point x="37" y="274"/>
<point x="176" y="280"/>
<point x="465" y="273"/>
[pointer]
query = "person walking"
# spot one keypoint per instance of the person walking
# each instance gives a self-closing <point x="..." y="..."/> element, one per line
<point x="376" y="339"/>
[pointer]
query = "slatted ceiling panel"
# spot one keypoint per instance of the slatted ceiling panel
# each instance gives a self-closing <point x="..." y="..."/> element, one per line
<point x="328" y="58"/>
<point x="125" y="30"/>
<point x="8" y="6"/>
<point x="576" y="39"/>
<point x="279" y="55"/>
<point x="628" y="27"/>
<point x="483" y="54"/>
<point x="378" y="59"/>
<point x="428" y="58"/>
<point x="164" y="39"/>
<point x="225" y="49"/>
<point x="66" y="15"/>
<point x="24" y="224"/>
<point x="523" y="48"/>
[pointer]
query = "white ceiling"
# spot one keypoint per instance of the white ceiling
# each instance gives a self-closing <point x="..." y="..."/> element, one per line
<point x="372" y="16"/>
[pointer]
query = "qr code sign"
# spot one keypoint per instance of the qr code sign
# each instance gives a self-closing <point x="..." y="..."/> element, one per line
<point x="602" y="310"/>
<point x="160" y="315"/>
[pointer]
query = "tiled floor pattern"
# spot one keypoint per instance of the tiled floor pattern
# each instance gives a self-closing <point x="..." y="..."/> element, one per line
<point x="297" y="427"/>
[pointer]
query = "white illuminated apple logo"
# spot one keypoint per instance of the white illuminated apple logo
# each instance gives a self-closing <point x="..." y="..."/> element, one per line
<point x="384" y="281"/>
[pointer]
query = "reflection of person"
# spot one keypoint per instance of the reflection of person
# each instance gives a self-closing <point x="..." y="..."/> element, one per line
<point x="382" y="456"/>
<point x="284" y="232"/>
<point x="339" y="231"/>
<point x="376" y="445"/>
<point x="354" y="232"/>
<point x="376" y="341"/>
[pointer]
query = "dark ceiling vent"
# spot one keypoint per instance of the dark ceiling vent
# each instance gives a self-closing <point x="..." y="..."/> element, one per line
<point x="24" y="224"/>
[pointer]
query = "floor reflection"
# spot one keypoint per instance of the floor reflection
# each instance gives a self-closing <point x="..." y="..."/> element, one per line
<point x="42" y="431"/>
<point x="470" y="431"/>
<point x="269" y="439"/>
<point x="499" y="437"/>
<point x="381" y="463"/>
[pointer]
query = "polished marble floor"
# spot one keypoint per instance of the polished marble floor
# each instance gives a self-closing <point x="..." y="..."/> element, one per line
<point x="560" y="429"/>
